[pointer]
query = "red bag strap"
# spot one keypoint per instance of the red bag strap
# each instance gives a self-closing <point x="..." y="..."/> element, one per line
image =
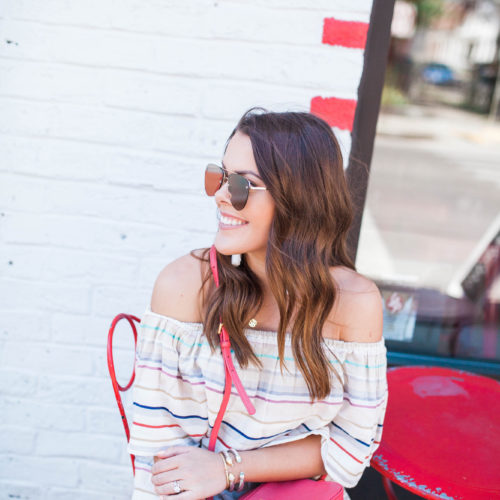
<point x="231" y="374"/>
<point x="230" y="371"/>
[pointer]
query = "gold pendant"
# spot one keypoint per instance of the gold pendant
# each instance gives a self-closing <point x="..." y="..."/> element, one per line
<point x="252" y="323"/>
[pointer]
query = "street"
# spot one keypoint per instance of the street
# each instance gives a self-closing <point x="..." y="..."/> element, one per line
<point x="434" y="191"/>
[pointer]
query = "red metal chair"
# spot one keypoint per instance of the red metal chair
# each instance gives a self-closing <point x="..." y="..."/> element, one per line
<point x="117" y="388"/>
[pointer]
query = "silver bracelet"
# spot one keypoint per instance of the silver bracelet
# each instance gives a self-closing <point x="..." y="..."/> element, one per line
<point x="229" y="475"/>
<point x="242" y="481"/>
<point x="227" y="458"/>
<point x="228" y="461"/>
<point x="236" y="455"/>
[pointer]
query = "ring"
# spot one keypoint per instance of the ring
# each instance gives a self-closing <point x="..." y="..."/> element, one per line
<point x="177" y="486"/>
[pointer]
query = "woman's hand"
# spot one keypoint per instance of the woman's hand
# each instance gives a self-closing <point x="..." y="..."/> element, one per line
<point x="200" y="473"/>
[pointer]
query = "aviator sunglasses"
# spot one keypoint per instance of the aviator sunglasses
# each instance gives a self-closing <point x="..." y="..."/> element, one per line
<point x="238" y="186"/>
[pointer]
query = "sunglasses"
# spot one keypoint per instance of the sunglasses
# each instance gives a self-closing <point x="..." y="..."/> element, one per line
<point x="239" y="187"/>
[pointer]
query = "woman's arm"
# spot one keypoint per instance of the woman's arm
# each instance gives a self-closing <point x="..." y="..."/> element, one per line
<point x="294" y="460"/>
<point x="201" y="472"/>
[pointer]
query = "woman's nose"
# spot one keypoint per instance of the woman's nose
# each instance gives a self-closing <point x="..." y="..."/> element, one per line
<point x="222" y="195"/>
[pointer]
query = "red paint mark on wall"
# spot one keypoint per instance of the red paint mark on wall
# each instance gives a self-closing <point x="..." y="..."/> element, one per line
<point x="350" y="34"/>
<point x="336" y="112"/>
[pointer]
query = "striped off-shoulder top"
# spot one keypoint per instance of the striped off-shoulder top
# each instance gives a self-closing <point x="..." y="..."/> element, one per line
<point x="178" y="391"/>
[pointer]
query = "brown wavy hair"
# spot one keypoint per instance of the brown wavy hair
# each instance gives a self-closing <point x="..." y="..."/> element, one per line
<point x="300" y="162"/>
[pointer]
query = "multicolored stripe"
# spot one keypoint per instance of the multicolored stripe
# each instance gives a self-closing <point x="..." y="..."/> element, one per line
<point x="179" y="385"/>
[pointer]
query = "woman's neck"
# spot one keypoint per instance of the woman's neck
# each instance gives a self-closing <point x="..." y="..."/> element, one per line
<point x="257" y="263"/>
<point x="267" y="317"/>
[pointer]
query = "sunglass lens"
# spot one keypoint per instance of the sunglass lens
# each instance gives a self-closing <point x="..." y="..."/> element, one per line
<point x="238" y="189"/>
<point x="213" y="179"/>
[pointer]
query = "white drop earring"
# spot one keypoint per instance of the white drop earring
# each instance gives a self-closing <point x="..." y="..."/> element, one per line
<point x="236" y="259"/>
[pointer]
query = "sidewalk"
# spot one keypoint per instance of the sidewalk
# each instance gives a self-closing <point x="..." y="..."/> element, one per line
<point x="440" y="123"/>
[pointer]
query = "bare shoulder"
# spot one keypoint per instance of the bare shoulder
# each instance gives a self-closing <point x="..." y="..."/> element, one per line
<point x="176" y="290"/>
<point x="357" y="312"/>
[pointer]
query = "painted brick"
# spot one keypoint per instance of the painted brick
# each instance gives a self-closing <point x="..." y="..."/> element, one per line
<point x="17" y="261"/>
<point x="92" y="12"/>
<point x="150" y="268"/>
<point x="42" y="42"/>
<point x="106" y="422"/>
<point x="82" y="494"/>
<point x="240" y="96"/>
<point x="155" y="93"/>
<point x="60" y="159"/>
<point x="207" y="58"/>
<point x="340" y="5"/>
<point x="115" y="479"/>
<point x="45" y="296"/>
<point x="37" y="415"/>
<point x="16" y="439"/>
<point x="88" y="86"/>
<point x="25" y="325"/>
<point x="123" y="359"/>
<point x="101" y="125"/>
<point x="50" y="359"/>
<point x="71" y="390"/>
<point x="52" y="82"/>
<point x="16" y="382"/>
<point x="73" y="160"/>
<point x="43" y="472"/>
<point x="89" y="331"/>
<point x="345" y="140"/>
<point x="345" y="33"/>
<point x="337" y="112"/>
<point x="19" y="490"/>
<point x="117" y="202"/>
<point x="109" y="301"/>
<point x="95" y="234"/>
<point x="82" y="267"/>
<point x="78" y="445"/>
<point x="209" y="18"/>
<point x="231" y="21"/>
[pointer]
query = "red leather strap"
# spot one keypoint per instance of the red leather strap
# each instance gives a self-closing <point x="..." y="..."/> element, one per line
<point x="226" y="353"/>
<point x="213" y="264"/>
<point x="229" y="369"/>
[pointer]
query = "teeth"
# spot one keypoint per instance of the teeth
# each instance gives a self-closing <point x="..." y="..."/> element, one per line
<point x="229" y="221"/>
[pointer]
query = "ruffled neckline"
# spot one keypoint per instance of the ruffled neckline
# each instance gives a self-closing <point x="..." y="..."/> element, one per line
<point x="268" y="335"/>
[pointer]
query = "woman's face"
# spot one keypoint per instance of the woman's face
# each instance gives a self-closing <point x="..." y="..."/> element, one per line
<point x="251" y="232"/>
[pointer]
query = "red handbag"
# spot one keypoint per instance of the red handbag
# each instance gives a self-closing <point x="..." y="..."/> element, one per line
<point x="298" y="489"/>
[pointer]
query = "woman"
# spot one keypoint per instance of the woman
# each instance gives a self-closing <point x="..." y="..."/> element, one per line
<point x="305" y="328"/>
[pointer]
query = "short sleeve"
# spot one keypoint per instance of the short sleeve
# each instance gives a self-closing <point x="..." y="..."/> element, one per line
<point x="169" y="409"/>
<point x="349" y="441"/>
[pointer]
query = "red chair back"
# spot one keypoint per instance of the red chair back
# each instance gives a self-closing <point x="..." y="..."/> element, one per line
<point x="117" y="388"/>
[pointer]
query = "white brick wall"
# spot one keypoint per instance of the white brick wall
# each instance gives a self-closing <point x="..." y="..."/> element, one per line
<point x="109" y="111"/>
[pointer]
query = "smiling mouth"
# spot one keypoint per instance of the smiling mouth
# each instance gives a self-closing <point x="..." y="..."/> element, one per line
<point x="230" y="221"/>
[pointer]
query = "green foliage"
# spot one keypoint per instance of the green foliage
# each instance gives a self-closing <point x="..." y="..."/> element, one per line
<point x="427" y="10"/>
<point x="392" y="97"/>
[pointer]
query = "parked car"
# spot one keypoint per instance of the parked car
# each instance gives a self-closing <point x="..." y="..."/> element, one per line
<point x="438" y="74"/>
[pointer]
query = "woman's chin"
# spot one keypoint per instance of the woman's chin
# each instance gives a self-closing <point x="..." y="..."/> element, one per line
<point x="226" y="245"/>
